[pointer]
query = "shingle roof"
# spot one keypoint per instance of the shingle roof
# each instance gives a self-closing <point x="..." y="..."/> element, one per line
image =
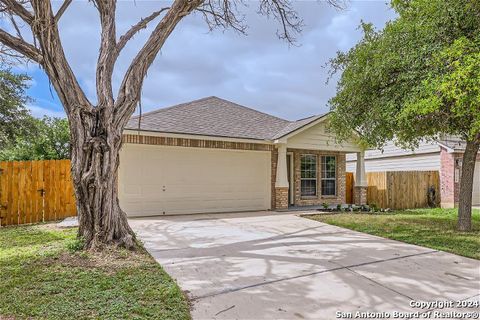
<point x="213" y="116"/>
<point x="453" y="142"/>
<point x="294" y="125"/>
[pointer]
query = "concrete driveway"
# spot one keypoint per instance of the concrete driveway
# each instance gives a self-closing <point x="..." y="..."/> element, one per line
<point x="267" y="265"/>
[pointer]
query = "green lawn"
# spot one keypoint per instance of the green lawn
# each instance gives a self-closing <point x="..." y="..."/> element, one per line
<point x="43" y="277"/>
<point x="432" y="228"/>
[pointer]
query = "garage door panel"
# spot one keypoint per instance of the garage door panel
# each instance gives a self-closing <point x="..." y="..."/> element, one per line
<point x="188" y="189"/>
<point x="208" y="206"/>
<point x="196" y="180"/>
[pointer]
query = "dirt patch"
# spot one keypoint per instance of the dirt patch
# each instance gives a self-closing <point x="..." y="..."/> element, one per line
<point x="48" y="226"/>
<point x="109" y="260"/>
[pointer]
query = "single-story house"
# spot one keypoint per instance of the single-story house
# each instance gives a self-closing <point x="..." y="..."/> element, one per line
<point x="444" y="155"/>
<point x="213" y="155"/>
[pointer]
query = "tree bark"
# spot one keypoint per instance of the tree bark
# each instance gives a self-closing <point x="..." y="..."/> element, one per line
<point x="95" y="159"/>
<point x="466" y="185"/>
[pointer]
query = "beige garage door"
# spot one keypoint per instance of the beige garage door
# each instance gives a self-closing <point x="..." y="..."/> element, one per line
<point x="476" y="186"/>
<point x="158" y="180"/>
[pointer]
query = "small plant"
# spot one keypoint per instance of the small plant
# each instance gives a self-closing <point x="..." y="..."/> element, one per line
<point x="325" y="205"/>
<point x="76" y="245"/>
<point x="373" y="207"/>
<point x="339" y="207"/>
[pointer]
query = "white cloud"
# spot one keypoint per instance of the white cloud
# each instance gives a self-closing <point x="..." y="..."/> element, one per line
<point x="39" y="112"/>
<point x="257" y="70"/>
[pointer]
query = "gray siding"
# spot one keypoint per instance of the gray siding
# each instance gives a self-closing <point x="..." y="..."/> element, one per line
<point x="426" y="157"/>
<point x="416" y="162"/>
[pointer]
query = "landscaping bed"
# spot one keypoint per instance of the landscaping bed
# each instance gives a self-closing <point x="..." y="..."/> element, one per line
<point x="432" y="228"/>
<point x="44" y="275"/>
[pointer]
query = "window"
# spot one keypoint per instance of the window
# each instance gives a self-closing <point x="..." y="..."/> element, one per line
<point x="308" y="175"/>
<point x="329" y="175"/>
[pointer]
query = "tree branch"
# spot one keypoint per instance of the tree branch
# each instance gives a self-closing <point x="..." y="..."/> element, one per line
<point x="223" y="14"/>
<point x="54" y="61"/>
<point x="130" y="88"/>
<point x="142" y="24"/>
<point x="19" y="45"/>
<point x="107" y="54"/>
<point x="15" y="26"/>
<point x="62" y="9"/>
<point x="282" y="11"/>
<point x="16" y="7"/>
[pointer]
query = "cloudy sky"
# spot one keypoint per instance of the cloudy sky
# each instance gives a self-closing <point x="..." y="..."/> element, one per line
<point x="257" y="70"/>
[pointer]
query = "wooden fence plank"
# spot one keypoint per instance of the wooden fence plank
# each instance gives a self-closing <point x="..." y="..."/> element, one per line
<point x="28" y="193"/>
<point x="35" y="191"/>
<point x="15" y="192"/>
<point x="349" y="187"/>
<point x="3" y="192"/>
<point x="9" y="211"/>
<point x="401" y="189"/>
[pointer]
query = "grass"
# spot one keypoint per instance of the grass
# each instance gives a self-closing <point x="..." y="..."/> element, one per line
<point x="43" y="276"/>
<point x="432" y="228"/>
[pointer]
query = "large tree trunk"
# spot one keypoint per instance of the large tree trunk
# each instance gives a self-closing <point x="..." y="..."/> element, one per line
<point x="96" y="144"/>
<point x="466" y="186"/>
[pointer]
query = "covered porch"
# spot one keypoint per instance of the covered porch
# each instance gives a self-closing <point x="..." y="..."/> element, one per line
<point x="309" y="169"/>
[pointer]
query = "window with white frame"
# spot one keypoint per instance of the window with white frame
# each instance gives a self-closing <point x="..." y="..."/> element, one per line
<point x="329" y="175"/>
<point x="308" y="175"/>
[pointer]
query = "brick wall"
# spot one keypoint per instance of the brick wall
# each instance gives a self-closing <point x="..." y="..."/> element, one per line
<point x="450" y="189"/>
<point x="447" y="178"/>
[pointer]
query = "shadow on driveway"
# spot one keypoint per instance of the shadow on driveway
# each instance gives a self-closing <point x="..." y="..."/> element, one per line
<point x="266" y="265"/>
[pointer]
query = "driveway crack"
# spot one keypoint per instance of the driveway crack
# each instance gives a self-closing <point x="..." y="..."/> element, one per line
<point x="314" y="273"/>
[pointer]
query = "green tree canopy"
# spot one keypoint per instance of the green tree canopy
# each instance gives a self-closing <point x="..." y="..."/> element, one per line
<point x="417" y="79"/>
<point x="15" y="118"/>
<point x="50" y="139"/>
<point x="393" y="69"/>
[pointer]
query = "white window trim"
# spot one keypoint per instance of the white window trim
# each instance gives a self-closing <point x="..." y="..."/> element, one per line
<point x="323" y="178"/>
<point x="316" y="175"/>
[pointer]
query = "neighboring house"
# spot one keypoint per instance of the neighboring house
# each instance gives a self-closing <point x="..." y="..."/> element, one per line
<point x="443" y="155"/>
<point x="212" y="155"/>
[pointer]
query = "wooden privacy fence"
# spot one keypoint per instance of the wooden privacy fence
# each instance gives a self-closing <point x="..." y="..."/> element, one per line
<point x="35" y="191"/>
<point x="399" y="189"/>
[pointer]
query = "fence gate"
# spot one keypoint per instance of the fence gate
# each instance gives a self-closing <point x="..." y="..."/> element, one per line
<point x="35" y="191"/>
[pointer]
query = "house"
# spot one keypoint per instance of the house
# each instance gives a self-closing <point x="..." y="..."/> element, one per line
<point x="444" y="155"/>
<point x="213" y="155"/>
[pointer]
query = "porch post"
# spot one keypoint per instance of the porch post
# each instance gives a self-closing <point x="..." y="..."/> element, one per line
<point x="281" y="179"/>
<point x="360" y="192"/>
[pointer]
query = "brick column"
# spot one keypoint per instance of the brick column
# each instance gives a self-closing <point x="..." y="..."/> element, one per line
<point x="360" y="189"/>
<point x="281" y="198"/>
<point x="360" y="195"/>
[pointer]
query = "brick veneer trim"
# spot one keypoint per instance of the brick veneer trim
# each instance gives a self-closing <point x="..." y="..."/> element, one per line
<point x="195" y="143"/>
